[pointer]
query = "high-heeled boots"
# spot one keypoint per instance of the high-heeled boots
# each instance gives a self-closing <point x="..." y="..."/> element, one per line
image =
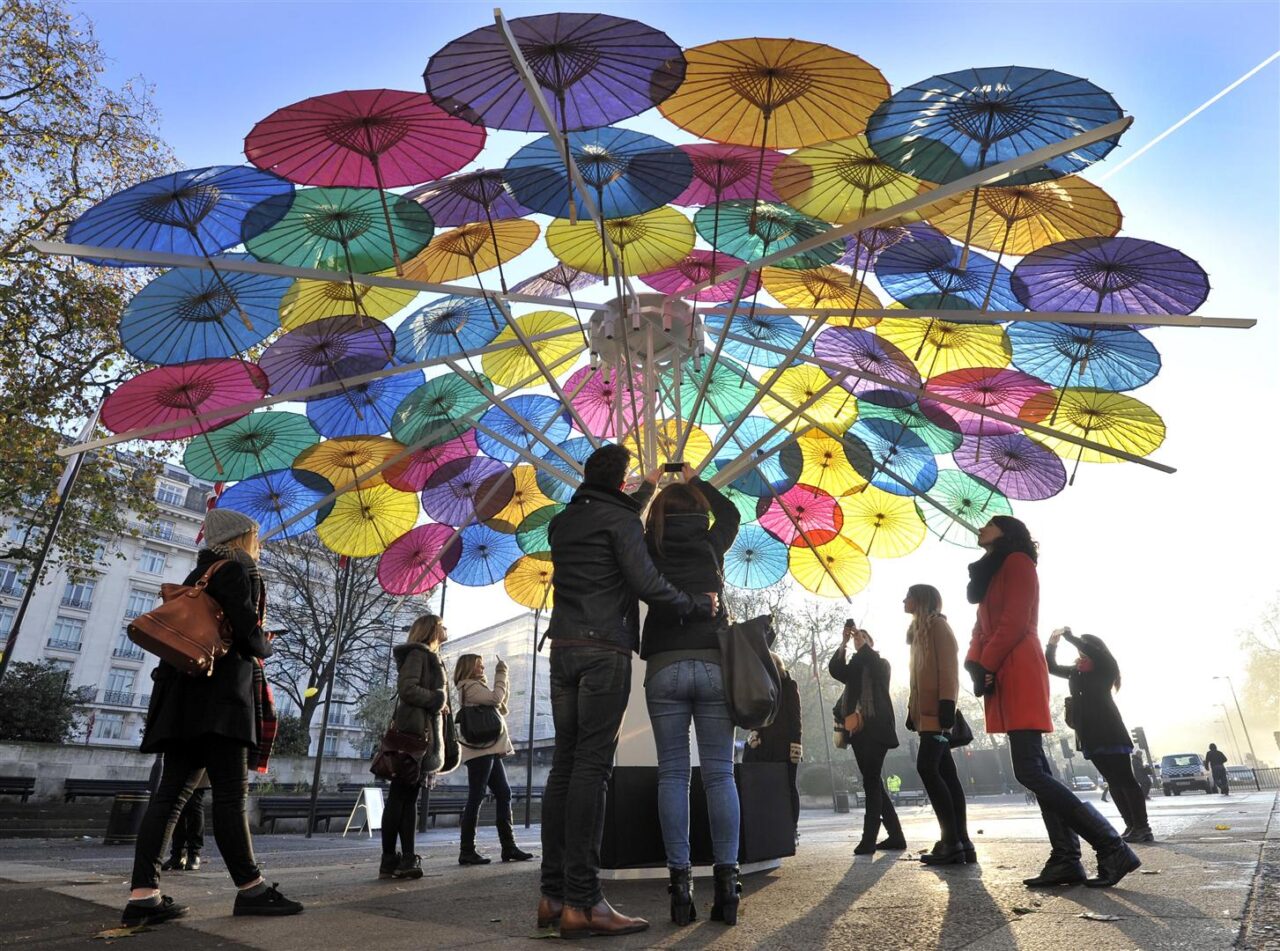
<point x="683" y="909"/>
<point x="724" y="906"/>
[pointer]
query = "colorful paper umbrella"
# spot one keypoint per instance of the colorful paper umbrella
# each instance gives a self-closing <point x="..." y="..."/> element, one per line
<point x="928" y="274"/>
<point x="577" y="448"/>
<point x="666" y="435"/>
<point x="1110" y="276"/>
<point x="447" y="326"/>
<point x="841" y="181"/>
<point x="759" y="438"/>
<point x="967" y="496"/>
<point x="1105" y="358"/>
<point x="199" y="211"/>
<point x="482" y="195"/>
<point x="327" y="350"/>
<point x="557" y="280"/>
<point x="982" y="117"/>
<point x="193" y="314"/>
<point x="516" y="424"/>
<point x="461" y="491"/>
<point x="1003" y="391"/>
<point x="648" y="242"/>
<point x="862" y="249"/>
<point x="750" y="230"/>
<point x="803" y="515"/>
<point x="411" y="473"/>
<point x="1116" y="420"/>
<point x="1016" y="465"/>
<point x="747" y="505"/>
<point x="787" y="390"/>
<point x="526" y="498"/>
<point x="945" y="345"/>
<point x="838" y="569"/>
<point x="774" y="93"/>
<point x="273" y="498"/>
<point x="364" y="409"/>
<point x="772" y="330"/>
<point x="728" y="392"/>
<point x="893" y="450"/>
<point x="821" y="287"/>
<point x="815" y="459"/>
<point x="439" y="410"/>
<point x="729" y="171"/>
<point x="174" y="393"/>
<point x="306" y="301"/>
<point x="861" y="350"/>
<point x="487" y="555"/>
<point x="366" y="521"/>
<point x="471" y="249"/>
<point x="755" y="560"/>
<point x="516" y="363"/>
<point x="252" y="444"/>
<point x="403" y="568"/>
<point x="696" y="267"/>
<point x="594" y="69"/>
<point x="528" y="582"/>
<point x="350" y="459"/>
<point x="931" y="423"/>
<point x="882" y="524"/>
<point x="339" y="229"/>
<point x="600" y="396"/>
<point x="531" y="534"/>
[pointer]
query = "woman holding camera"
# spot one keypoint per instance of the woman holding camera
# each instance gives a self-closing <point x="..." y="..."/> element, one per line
<point x="869" y="721"/>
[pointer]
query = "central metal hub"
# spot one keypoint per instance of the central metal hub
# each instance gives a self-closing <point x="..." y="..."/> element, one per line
<point x="645" y="331"/>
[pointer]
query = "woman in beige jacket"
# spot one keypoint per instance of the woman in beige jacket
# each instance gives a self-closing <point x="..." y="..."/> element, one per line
<point x="931" y="711"/>
<point x="484" y="763"/>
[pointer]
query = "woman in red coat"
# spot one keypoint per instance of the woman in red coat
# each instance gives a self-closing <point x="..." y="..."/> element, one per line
<point x="1008" y="668"/>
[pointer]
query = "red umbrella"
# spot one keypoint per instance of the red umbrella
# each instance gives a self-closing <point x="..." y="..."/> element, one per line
<point x="175" y="392"/>
<point x="599" y="397"/>
<point x="402" y="569"/>
<point x="814" y="512"/>
<point x="1002" y="390"/>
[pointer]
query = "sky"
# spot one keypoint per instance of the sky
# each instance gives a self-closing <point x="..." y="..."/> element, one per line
<point x="1166" y="568"/>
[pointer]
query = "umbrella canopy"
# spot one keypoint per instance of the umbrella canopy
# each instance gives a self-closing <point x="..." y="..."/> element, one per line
<point x="1112" y="419"/>
<point x="821" y="287"/>
<point x="471" y="249"/>
<point x="411" y="473"/>
<point x="729" y="171"/>
<point x="1004" y="391"/>
<point x="577" y="448"/>
<point x="836" y="569"/>
<point x="773" y="330"/>
<point x="894" y="450"/>
<point x="815" y="459"/>
<point x="755" y="560"/>
<point x="366" y="521"/>
<point x="464" y="490"/>
<point x="403" y="568"/>
<point x="364" y="409"/>
<point x="516" y="424"/>
<point x="174" y="393"/>
<point x="750" y="230"/>
<point x="858" y="349"/>
<point x="273" y="498"/>
<point x="326" y="351"/>
<point x="881" y="524"/>
<point x="696" y="267"/>
<point x="728" y="392"/>
<point x="969" y="497"/>
<point x="667" y="435"/>
<point x="945" y="345"/>
<point x="447" y="326"/>
<point x="531" y="534"/>
<point x="649" y="242"/>
<point x="251" y="445"/>
<point x="930" y="422"/>
<point x="516" y="363"/>
<point x="482" y="195"/>
<point x="786" y="390"/>
<point x="862" y="249"/>
<point x="1104" y="358"/>
<point x="841" y="181"/>
<point x="601" y="395"/>
<point x="560" y="279"/>
<point x="438" y="411"/>
<point x="487" y="555"/>
<point x="526" y="498"/>
<point x="528" y="582"/>
<point x="767" y="475"/>
<point x="306" y="301"/>
<point x="1015" y="464"/>
<point x="803" y="515"/>
<point x="350" y="459"/>
<point x="929" y="274"/>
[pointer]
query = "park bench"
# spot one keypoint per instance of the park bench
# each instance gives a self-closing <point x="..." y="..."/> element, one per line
<point x="22" y="786"/>
<point x="277" y="788"/>
<point x="910" y="797"/>
<point x="356" y="787"/>
<point x="328" y="808"/>
<point x="518" y="792"/>
<point x="445" y="804"/>
<point x="74" y="788"/>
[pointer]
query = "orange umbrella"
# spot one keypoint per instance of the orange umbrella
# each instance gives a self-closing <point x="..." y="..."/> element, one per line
<point x="821" y="287"/>
<point x="472" y="249"/>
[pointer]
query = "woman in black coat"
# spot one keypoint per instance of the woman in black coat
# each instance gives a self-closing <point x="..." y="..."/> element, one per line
<point x="1101" y="736"/>
<point x="782" y="741"/>
<point x="210" y="725"/>
<point x="865" y="676"/>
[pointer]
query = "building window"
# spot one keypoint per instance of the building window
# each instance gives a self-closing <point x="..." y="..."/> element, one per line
<point x="330" y="745"/>
<point x="61" y="664"/>
<point x="66" y="633"/>
<point x="162" y="528"/>
<point x="139" y="603"/>
<point x="170" y="494"/>
<point x="79" y="594"/>
<point x="109" y="726"/>
<point x="125" y="649"/>
<point x="153" y="562"/>
<point x="7" y="614"/>
<point x="119" y="687"/>
<point x="12" y="579"/>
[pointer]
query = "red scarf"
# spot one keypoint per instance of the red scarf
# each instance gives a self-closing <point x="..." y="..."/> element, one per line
<point x="264" y="710"/>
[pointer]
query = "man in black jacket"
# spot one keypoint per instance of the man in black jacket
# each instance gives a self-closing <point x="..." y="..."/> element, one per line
<point x="601" y="567"/>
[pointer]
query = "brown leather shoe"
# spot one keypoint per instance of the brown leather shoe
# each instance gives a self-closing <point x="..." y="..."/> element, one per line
<point x="549" y="910"/>
<point x="600" y="920"/>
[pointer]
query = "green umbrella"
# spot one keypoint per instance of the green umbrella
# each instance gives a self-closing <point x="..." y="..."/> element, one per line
<point x="730" y="390"/>
<point x="971" y="498"/>
<point x="251" y="445"/>
<point x="531" y="535"/>
<point x="439" y="404"/>
<point x="939" y="432"/>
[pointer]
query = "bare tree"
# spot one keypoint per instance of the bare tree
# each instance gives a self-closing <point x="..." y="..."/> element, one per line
<point x="1260" y="693"/>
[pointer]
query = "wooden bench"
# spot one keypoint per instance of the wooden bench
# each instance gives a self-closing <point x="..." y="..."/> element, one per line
<point x="910" y="797"/>
<point x="518" y="792"/>
<point x="277" y="788"/>
<point x="328" y="808"/>
<point x="74" y="788"/>
<point x="22" y="786"/>
<point x="446" y="804"/>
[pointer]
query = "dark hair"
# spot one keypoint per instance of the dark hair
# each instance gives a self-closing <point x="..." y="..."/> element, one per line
<point x="1015" y="536"/>
<point x="607" y="466"/>
<point x="1100" y="651"/>
<point x="679" y="498"/>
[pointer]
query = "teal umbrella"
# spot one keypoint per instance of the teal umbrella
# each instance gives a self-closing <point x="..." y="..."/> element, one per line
<point x="750" y="230"/>
<point x="251" y="445"/>
<point x="730" y="390"/>
<point x="974" y="500"/>
<point x="439" y="404"/>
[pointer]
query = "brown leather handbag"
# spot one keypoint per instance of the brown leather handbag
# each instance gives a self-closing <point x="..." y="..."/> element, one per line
<point x="853" y="723"/>
<point x="189" y="630"/>
<point x="399" y="756"/>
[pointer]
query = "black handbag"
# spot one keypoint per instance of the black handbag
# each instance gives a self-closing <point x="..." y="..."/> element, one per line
<point x="452" y="750"/>
<point x="1069" y="712"/>
<point x="479" y="725"/>
<point x="399" y="757"/>
<point x="961" y="734"/>
<point x="752" y="683"/>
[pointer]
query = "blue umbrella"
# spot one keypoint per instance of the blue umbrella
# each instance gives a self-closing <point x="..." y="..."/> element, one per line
<point x="775" y="330"/>
<point x="276" y="496"/>
<point x="365" y="409"/>
<point x="578" y="448"/>
<point x="928" y="275"/>
<point x="538" y="413"/>
<point x="630" y="172"/>
<point x="755" y="559"/>
<point x="193" y="314"/>
<point x="767" y="471"/>
<point x="486" y="556"/>
<point x="893" y="448"/>
<point x="446" y="327"/>
<point x="1104" y="358"/>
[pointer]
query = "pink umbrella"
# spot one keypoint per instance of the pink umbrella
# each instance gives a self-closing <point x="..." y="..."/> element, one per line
<point x="816" y="512"/>
<point x="402" y="569"/>
<point x="722" y="172"/>
<point x="597" y="396"/>
<point x="1004" y="391"/>
<point x="411" y="473"/>
<point x="175" y="392"/>
<point x="695" y="268"/>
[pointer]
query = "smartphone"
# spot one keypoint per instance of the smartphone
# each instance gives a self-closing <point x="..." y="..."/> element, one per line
<point x="673" y="467"/>
<point x="279" y="632"/>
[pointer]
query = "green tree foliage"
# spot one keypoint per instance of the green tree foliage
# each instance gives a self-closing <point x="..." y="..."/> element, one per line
<point x="374" y="713"/>
<point x="68" y="141"/>
<point x="1260" y="692"/>
<point x="292" y="737"/>
<point x="37" y="707"/>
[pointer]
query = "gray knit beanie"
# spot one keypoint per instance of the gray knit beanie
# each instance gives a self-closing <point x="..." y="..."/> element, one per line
<point x="222" y="525"/>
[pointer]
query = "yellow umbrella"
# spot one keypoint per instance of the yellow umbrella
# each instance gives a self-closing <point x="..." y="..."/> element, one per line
<point x="667" y="438"/>
<point x="528" y="582"/>
<point x="816" y="459"/>
<point x="787" y="390"/>
<point x="841" y="181"/>
<point x="649" y="242"/>
<point x="509" y="367"/>
<point x="1019" y="219"/>
<point x="1116" y="420"/>
<point x="940" y="346"/>
<point x="525" y="499"/>
<point x="349" y="458"/>
<point x="306" y="301"/>
<point x="821" y="287"/>
<point x="365" y="521"/>
<point x="472" y="249"/>
<point x="882" y="524"/>
<point x="774" y="93"/>
<point x="836" y="569"/>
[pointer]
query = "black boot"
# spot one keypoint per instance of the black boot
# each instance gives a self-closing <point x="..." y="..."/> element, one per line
<point x="467" y="854"/>
<point x="193" y="861"/>
<point x="1063" y="867"/>
<point x="387" y="867"/>
<point x="683" y="909"/>
<point x="724" y="907"/>
<point x="1115" y="858"/>
<point x="174" y="863"/>
<point x="507" y="836"/>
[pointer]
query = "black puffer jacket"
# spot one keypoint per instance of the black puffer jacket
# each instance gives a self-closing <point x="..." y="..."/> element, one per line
<point x="185" y="708"/>
<point x="1099" y="726"/>
<point x="601" y="568"/>
<point x="422" y="690"/>
<point x="691" y="558"/>
<point x="866" y="668"/>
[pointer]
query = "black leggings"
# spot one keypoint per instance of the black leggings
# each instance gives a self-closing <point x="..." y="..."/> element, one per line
<point x="938" y="773"/>
<point x="1117" y="770"/>
<point x="486" y="772"/>
<point x="879" y="807"/>
<point x="398" y="818"/>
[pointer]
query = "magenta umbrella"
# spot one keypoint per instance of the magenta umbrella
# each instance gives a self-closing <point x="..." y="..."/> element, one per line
<point x="410" y="474"/>
<point x="697" y="267"/>
<point x="1004" y="391"/>
<point x="175" y="392"/>
<point x="722" y="172"/>
<point x="803" y="515"/>
<point x="600" y="394"/>
<point x="402" y="569"/>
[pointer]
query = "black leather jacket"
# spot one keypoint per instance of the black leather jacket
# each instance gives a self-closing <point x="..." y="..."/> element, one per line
<point x="601" y="568"/>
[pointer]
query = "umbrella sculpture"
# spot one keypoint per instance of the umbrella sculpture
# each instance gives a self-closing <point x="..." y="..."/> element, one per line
<point x="443" y="434"/>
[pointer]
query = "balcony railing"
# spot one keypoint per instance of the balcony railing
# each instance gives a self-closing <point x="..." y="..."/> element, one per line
<point x="60" y="645"/>
<point x="13" y="589"/>
<point x="131" y="613"/>
<point x="121" y="698"/>
<point x="81" y="603"/>
<point x="144" y="701"/>
<point x="164" y="533"/>
<point x="129" y="652"/>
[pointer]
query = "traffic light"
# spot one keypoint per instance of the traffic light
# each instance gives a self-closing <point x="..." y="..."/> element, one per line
<point x="1067" y="751"/>
<point x="1140" y="740"/>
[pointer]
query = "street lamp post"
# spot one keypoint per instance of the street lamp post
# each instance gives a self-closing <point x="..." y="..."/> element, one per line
<point x="1248" y="739"/>
<point x="1226" y="718"/>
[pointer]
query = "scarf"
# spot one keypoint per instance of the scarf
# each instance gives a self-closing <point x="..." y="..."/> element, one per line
<point x="983" y="570"/>
<point x="264" y="710"/>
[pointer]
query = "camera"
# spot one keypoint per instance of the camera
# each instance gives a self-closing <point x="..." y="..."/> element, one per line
<point x="673" y="467"/>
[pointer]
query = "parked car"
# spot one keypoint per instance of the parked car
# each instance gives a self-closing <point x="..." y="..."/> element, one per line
<point x="1239" y="774"/>
<point x="1182" y="771"/>
<point x="1083" y="783"/>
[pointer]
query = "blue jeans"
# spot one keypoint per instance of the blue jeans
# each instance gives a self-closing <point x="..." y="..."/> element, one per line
<point x="693" y="689"/>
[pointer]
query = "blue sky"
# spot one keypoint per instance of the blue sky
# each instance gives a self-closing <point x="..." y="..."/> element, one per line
<point x="1166" y="568"/>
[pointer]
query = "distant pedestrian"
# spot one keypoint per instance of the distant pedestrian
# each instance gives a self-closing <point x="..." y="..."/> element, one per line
<point x="868" y="717"/>
<point x="1101" y="735"/>
<point x="188" y="834"/>
<point x="1008" y="669"/>
<point x="1217" y="762"/>
<point x="1142" y="773"/>
<point x="782" y="741"/>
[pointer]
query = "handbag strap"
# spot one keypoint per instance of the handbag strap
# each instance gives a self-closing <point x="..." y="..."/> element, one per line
<point x="209" y="573"/>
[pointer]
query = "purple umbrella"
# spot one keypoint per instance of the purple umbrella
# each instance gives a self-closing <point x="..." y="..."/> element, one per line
<point x="455" y="493"/>
<point x="862" y="249"/>
<point x="1015" y="464"/>
<point x="326" y="350"/>
<point x="559" y="278"/>
<point x="482" y="195"/>
<point x="860" y="349"/>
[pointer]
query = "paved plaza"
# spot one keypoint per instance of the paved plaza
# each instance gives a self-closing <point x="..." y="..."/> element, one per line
<point x="1200" y="888"/>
